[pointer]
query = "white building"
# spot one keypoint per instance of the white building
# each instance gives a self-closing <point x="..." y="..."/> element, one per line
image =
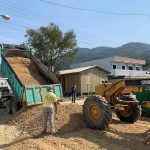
<point x="118" y="66"/>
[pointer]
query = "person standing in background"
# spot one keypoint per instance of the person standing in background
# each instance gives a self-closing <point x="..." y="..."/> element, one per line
<point x="74" y="93"/>
<point x="49" y="109"/>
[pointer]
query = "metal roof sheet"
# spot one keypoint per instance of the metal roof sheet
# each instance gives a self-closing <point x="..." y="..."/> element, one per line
<point x="77" y="70"/>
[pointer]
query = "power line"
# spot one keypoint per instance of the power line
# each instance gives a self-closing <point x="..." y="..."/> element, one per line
<point x="32" y="16"/>
<point x="23" y="9"/>
<point x="14" y="24"/>
<point x="97" y="11"/>
<point x="11" y="28"/>
<point x="18" y="7"/>
<point x="18" y="12"/>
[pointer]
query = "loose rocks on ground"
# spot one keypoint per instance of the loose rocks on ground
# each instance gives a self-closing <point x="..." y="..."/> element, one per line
<point x="68" y="118"/>
<point x="73" y="134"/>
<point x="147" y="138"/>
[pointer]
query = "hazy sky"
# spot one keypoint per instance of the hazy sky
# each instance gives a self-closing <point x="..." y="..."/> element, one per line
<point x="92" y="28"/>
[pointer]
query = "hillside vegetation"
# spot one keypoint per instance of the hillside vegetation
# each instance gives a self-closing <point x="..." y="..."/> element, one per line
<point x="133" y="50"/>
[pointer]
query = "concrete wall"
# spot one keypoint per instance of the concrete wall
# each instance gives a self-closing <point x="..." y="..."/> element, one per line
<point x="107" y="64"/>
<point x="121" y="72"/>
<point x="120" y="64"/>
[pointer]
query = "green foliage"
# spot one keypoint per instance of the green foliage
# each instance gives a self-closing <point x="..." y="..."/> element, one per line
<point x="133" y="50"/>
<point x="51" y="45"/>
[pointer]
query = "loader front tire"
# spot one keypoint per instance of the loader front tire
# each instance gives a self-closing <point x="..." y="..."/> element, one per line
<point x="97" y="112"/>
<point x="131" y="114"/>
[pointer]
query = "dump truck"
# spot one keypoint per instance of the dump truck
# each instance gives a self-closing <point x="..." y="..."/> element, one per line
<point x="118" y="96"/>
<point x="5" y="92"/>
<point x="24" y="76"/>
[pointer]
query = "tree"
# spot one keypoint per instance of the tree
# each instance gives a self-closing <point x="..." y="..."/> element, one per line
<point x="51" y="45"/>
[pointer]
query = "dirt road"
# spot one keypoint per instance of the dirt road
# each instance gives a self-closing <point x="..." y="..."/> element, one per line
<point x="120" y="135"/>
<point x="8" y="134"/>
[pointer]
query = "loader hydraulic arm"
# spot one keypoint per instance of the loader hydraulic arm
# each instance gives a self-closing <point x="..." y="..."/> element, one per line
<point x="116" y="87"/>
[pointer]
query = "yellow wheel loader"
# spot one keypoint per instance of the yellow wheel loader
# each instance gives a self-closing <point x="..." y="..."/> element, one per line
<point x="117" y="95"/>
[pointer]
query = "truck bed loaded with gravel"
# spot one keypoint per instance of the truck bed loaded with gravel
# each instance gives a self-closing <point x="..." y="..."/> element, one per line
<point x="26" y="76"/>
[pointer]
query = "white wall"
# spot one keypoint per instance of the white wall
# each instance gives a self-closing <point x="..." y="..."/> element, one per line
<point x="107" y="64"/>
<point x="126" y="72"/>
<point x="120" y="64"/>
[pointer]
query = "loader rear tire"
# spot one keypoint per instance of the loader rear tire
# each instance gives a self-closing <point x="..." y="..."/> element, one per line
<point x="97" y="112"/>
<point x="133" y="116"/>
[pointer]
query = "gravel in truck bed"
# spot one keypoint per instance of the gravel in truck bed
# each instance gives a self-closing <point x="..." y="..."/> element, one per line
<point x="26" y="70"/>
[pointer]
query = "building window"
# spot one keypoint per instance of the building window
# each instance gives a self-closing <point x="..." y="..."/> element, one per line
<point x="123" y="67"/>
<point x="114" y="66"/>
<point x="130" y="68"/>
<point x="137" y="68"/>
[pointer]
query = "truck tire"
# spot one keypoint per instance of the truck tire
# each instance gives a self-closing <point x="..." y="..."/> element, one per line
<point x="8" y="106"/>
<point x="97" y="112"/>
<point x="14" y="106"/>
<point x="131" y="114"/>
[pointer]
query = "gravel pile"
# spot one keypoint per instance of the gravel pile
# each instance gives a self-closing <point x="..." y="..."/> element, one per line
<point x="69" y="118"/>
<point x="26" y="70"/>
<point x="147" y="138"/>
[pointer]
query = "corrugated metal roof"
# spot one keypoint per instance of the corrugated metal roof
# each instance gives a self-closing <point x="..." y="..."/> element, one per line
<point x="129" y="60"/>
<point x="77" y="70"/>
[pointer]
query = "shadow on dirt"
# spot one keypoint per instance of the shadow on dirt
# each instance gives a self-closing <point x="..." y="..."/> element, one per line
<point x="4" y="116"/>
<point x="109" y="139"/>
<point x="76" y="123"/>
<point x="77" y="130"/>
<point x="13" y="143"/>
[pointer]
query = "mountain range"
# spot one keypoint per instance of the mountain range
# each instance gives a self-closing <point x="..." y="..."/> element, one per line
<point x="132" y="49"/>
